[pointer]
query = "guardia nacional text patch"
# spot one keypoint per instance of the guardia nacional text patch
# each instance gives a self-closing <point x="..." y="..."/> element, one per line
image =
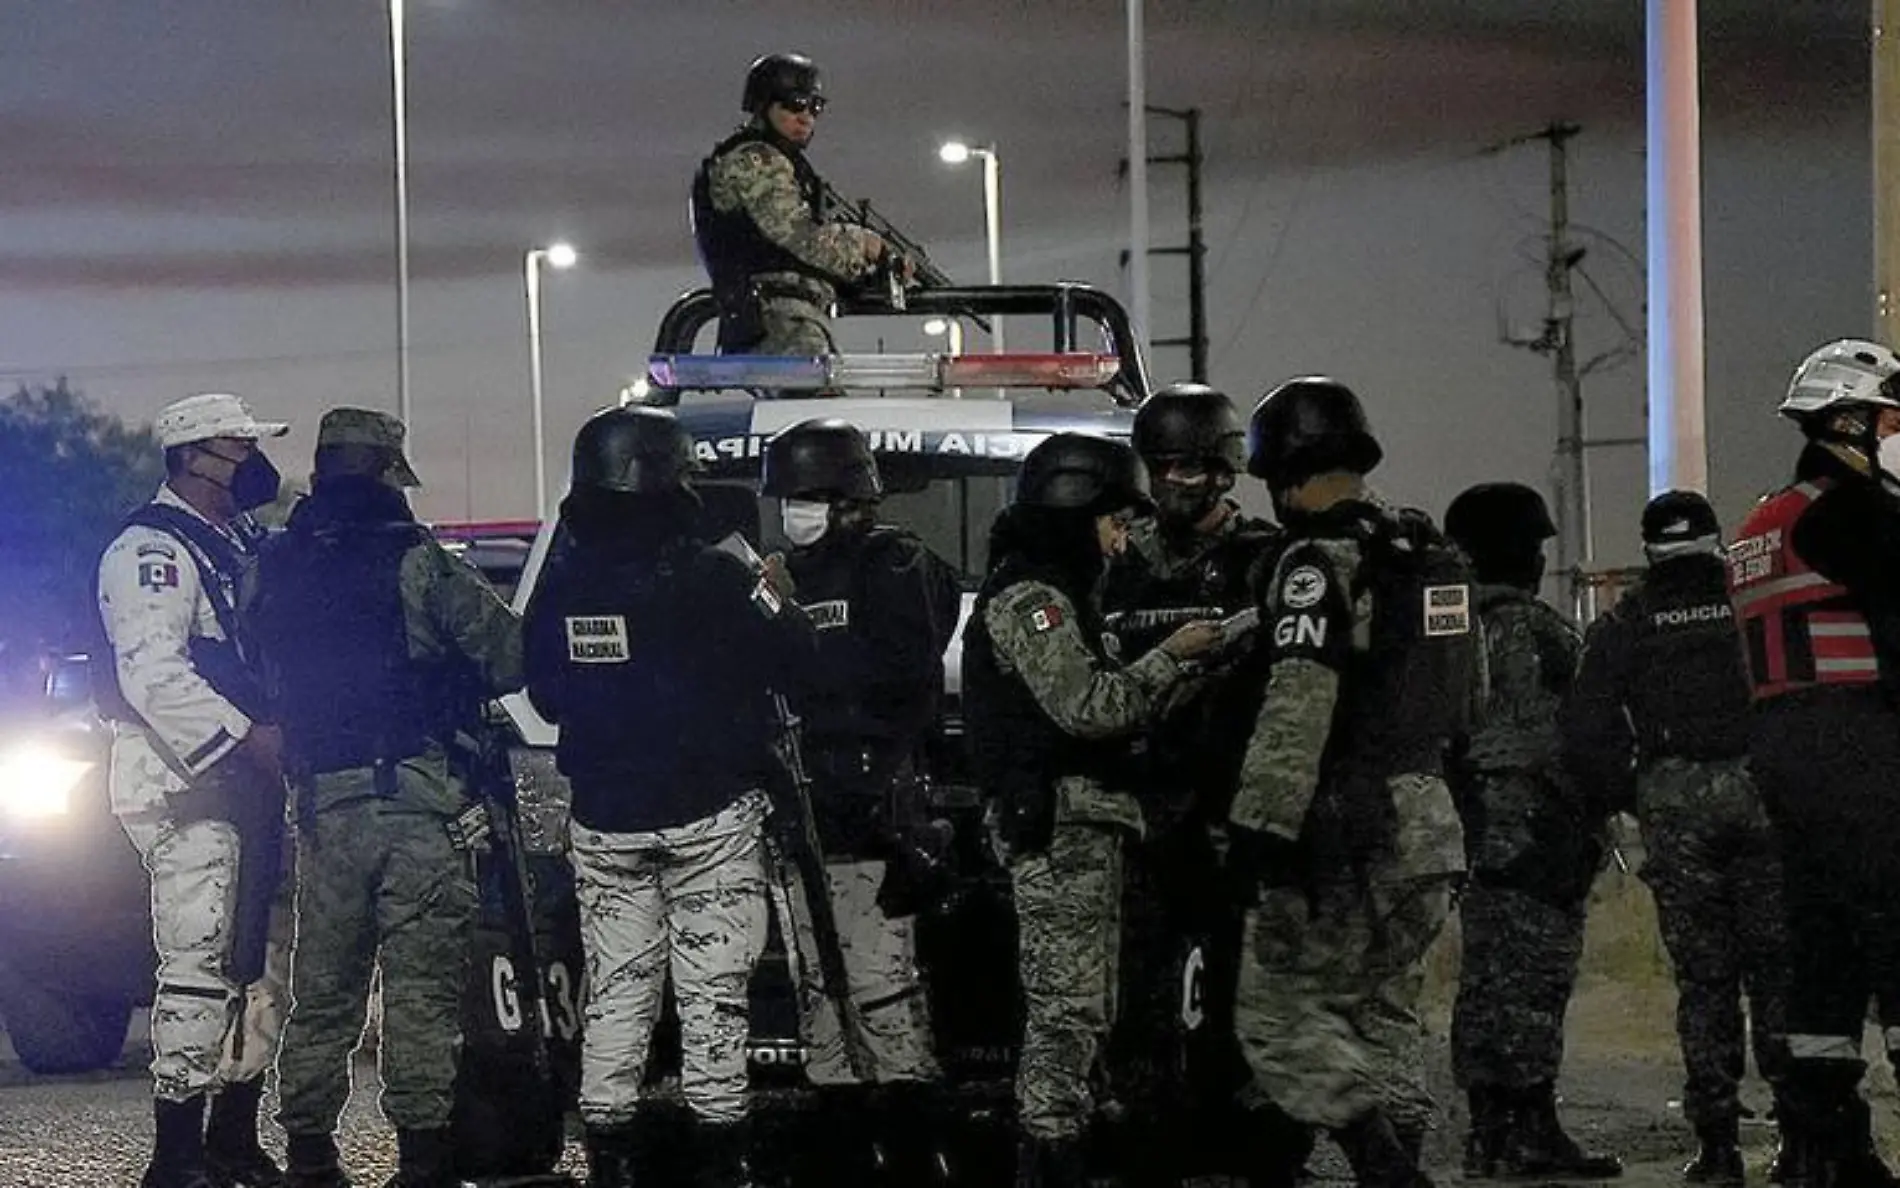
<point x="1447" y="610"/>
<point x="597" y="639"/>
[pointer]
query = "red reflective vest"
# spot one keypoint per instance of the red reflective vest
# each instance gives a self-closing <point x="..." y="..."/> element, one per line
<point x="1800" y="629"/>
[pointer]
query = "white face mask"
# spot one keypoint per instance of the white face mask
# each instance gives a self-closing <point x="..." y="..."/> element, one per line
<point x="1889" y="456"/>
<point x="804" y="520"/>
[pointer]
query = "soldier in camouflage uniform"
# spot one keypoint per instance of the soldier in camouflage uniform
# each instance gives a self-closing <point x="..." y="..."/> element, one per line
<point x="1662" y="695"/>
<point x="1045" y="707"/>
<point x="384" y="645"/>
<point x="192" y="729"/>
<point x="1342" y="826"/>
<point x="775" y="261"/>
<point x="1534" y="839"/>
<point x="1194" y="559"/>
<point x="658" y="655"/>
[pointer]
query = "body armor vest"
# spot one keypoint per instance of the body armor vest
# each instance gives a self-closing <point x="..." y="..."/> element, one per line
<point x="731" y="247"/>
<point x="1799" y="629"/>
<point x="1688" y="695"/>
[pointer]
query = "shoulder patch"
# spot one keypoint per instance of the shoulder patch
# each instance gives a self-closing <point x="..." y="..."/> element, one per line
<point x="597" y="639"/>
<point x="1303" y="587"/>
<point x="158" y="548"/>
<point x="1046" y="618"/>
<point x="157" y="575"/>
<point x="1447" y="610"/>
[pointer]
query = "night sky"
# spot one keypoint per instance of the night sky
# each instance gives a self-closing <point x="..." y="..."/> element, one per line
<point x="197" y="193"/>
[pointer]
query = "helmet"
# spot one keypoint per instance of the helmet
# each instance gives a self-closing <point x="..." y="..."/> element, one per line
<point x="1846" y="371"/>
<point x="639" y="451"/>
<point x="829" y="457"/>
<point x="774" y="78"/>
<point x="1080" y="472"/>
<point x="1189" y="421"/>
<point x="1308" y="426"/>
<point x="1678" y="517"/>
<point x="1496" y="518"/>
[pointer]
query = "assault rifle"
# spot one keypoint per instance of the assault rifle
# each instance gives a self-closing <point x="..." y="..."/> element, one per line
<point x="901" y="250"/>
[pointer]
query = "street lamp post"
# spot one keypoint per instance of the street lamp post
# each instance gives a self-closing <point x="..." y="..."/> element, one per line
<point x="558" y="255"/>
<point x="398" y="67"/>
<point x="956" y="152"/>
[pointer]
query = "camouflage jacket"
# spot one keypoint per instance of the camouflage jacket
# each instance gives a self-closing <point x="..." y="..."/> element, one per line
<point x="757" y="177"/>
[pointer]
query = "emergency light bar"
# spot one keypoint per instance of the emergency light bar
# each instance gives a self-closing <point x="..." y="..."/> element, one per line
<point x="812" y="373"/>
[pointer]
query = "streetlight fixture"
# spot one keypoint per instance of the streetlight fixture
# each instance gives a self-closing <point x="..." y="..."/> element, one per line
<point x="556" y="255"/>
<point x="956" y="152"/>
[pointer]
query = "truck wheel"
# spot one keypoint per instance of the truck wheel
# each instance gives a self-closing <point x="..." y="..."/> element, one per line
<point x="53" y="1035"/>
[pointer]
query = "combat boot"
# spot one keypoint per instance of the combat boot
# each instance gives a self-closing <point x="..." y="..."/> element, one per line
<point x="1274" y="1148"/>
<point x="914" y="1124"/>
<point x="1050" y="1163"/>
<point x="611" y="1155"/>
<point x="313" y="1163"/>
<point x="232" y="1152"/>
<point x="422" y="1160"/>
<point x="1719" y="1162"/>
<point x="1379" y="1159"/>
<point x="1536" y="1144"/>
<point x="1484" y="1139"/>
<point x="178" y="1149"/>
<point x="722" y="1154"/>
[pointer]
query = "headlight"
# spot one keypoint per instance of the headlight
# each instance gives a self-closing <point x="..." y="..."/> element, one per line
<point x="37" y="782"/>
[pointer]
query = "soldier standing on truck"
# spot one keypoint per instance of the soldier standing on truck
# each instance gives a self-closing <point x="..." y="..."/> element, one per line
<point x="759" y="221"/>
<point x="1194" y="559"/>
<point x="195" y="750"/>
<point x="883" y="607"/>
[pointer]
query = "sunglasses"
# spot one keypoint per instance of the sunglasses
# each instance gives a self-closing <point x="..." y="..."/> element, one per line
<point x="815" y="104"/>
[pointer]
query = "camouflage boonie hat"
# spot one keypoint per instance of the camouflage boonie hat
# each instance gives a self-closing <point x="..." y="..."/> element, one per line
<point x="367" y="427"/>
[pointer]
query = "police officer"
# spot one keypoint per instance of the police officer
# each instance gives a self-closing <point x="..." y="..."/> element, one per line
<point x="1534" y="840"/>
<point x="884" y="608"/>
<point x="1044" y="707"/>
<point x="1662" y="693"/>
<point x="384" y="646"/>
<point x="1342" y="822"/>
<point x="1192" y="560"/>
<point x="656" y="655"/>
<point x="196" y="751"/>
<point x="1814" y="575"/>
<point x="775" y="261"/>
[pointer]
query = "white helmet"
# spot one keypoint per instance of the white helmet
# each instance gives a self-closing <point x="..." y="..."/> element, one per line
<point x="1846" y="371"/>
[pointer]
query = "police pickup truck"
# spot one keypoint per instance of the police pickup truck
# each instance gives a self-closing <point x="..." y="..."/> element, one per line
<point x="949" y="433"/>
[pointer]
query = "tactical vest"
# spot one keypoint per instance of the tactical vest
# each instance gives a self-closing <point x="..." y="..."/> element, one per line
<point x="1799" y="629"/>
<point x="1407" y="694"/>
<point x="731" y="247"/>
<point x="228" y="664"/>
<point x="1019" y="754"/>
<point x="1688" y="696"/>
<point x="833" y="590"/>
<point x="338" y="641"/>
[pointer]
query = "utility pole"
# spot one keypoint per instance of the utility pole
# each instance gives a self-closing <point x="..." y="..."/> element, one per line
<point x="1886" y="127"/>
<point x="1195" y="249"/>
<point x="1571" y="472"/>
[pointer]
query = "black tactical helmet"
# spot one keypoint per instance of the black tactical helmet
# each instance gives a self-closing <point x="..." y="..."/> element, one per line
<point x="775" y="78"/>
<point x="1494" y="518"/>
<point x="1079" y="472"/>
<point x="820" y="457"/>
<point x="1189" y="421"/>
<point x="636" y="450"/>
<point x="1308" y="426"/>
<point x="1678" y="517"/>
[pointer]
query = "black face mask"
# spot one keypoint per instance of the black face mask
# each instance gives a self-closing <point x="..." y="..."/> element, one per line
<point x="254" y="482"/>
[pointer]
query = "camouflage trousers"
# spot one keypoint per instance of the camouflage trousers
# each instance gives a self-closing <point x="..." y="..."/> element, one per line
<point x="880" y="962"/>
<point x="1327" y="1008"/>
<point x="380" y="883"/>
<point x="689" y="901"/>
<point x="1068" y="921"/>
<point x="793" y="327"/>
<point x="206" y="1032"/>
<point x="1518" y="969"/>
<point x="1715" y="869"/>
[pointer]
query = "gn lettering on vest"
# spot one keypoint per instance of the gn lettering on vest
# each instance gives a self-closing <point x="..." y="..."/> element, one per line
<point x="1297" y="630"/>
<point x="597" y="639"/>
